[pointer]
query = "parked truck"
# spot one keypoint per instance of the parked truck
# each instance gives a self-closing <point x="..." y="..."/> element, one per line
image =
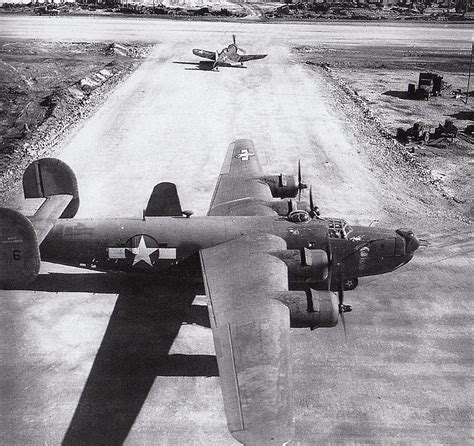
<point x="429" y="84"/>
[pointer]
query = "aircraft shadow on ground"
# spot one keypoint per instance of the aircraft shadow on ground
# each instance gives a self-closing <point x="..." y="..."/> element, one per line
<point x="197" y="66"/>
<point x="134" y="350"/>
<point x="465" y="115"/>
<point x="204" y="65"/>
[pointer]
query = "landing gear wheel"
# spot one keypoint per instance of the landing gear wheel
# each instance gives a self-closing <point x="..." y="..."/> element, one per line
<point x="350" y="284"/>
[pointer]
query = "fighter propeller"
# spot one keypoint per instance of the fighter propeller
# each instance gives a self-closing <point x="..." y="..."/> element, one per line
<point x="238" y="48"/>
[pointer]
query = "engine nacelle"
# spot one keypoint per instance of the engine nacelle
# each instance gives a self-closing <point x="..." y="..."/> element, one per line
<point x="309" y="265"/>
<point x="19" y="250"/>
<point x="282" y="186"/>
<point x="313" y="309"/>
<point x="282" y="207"/>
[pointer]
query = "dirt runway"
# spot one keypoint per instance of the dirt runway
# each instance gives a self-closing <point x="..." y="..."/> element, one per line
<point x="98" y="359"/>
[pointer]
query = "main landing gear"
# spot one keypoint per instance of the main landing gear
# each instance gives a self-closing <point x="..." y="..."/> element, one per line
<point x="350" y="284"/>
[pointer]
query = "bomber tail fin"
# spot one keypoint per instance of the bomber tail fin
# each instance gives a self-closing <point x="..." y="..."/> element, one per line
<point x="49" y="176"/>
<point x="164" y="202"/>
<point x="20" y="237"/>
<point x="19" y="250"/>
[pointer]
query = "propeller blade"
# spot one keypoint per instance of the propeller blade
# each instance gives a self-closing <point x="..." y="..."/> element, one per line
<point x="340" y="292"/>
<point x="344" y="326"/>
<point x="342" y="308"/>
<point x="217" y="60"/>
<point x="301" y="185"/>
<point x="233" y="38"/>
<point x="311" y="202"/>
<point x="314" y="209"/>
<point x="299" y="180"/>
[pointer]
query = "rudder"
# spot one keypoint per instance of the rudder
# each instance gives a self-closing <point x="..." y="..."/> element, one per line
<point x="164" y="202"/>
<point x="19" y="250"/>
<point x="50" y="176"/>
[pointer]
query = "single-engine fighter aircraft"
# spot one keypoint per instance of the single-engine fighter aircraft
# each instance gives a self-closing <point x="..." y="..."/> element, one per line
<point x="267" y="265"/>
<point x="229" y="56"/>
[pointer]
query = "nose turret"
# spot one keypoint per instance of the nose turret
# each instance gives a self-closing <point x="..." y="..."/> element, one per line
<point x="411" y="241"/>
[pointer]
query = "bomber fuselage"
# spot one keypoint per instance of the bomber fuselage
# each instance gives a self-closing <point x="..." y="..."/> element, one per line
<point x="158" y="243"/>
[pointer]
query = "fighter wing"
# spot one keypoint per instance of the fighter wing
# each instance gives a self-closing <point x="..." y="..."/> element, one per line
<point x="251" y="332"/>
<point x="247" y="57"/>
<point x="206" y="54"/>
<point x="239" y="189"/>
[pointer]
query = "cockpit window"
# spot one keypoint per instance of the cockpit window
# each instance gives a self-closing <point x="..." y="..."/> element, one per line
<point x="338" y="228"/>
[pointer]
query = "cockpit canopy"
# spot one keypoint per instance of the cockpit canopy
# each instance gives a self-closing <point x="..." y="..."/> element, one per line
<point x="338" y="228"/>
<point x="298" y="216"/>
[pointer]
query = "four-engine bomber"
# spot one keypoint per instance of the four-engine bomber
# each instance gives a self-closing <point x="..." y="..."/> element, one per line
<point x="267" y="264"/>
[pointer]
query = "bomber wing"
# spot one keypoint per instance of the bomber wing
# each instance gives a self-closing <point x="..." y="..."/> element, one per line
<point x="251" y="331"/>
<point x="239" y="189"/>
<point x="247" y="57"/>
<point x="206" y="54"/>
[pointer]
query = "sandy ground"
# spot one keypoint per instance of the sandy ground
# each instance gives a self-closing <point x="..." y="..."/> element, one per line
<point x="99" y="359"/>
<point x="376" y="78"/>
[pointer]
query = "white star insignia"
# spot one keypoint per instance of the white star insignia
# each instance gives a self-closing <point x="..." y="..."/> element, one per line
<point x="142" y="252"/>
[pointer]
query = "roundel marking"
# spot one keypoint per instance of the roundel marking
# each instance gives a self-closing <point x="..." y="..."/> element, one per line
<point x="141" y="250"/>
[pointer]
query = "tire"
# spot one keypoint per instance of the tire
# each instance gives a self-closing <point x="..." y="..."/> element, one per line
<point x="350" y="284"/>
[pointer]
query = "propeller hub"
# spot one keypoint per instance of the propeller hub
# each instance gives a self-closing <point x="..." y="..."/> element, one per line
<point x="345" y="308"/>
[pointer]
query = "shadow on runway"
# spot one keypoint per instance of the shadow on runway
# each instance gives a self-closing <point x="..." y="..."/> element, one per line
<point x="202" y="65"/>
<point x="206" y="65"/>
<point x="465" y="115"/>
<point x="134" y="350"/>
